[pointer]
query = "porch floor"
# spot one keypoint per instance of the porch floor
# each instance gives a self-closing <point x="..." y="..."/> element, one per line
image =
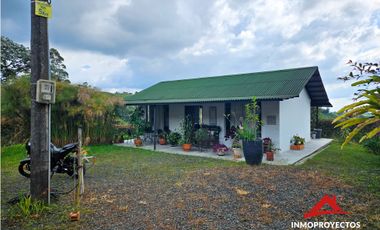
<point x="288" y="157"/>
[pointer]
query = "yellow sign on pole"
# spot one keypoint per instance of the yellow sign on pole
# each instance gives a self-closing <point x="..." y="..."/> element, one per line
<point x="43" y="9"/>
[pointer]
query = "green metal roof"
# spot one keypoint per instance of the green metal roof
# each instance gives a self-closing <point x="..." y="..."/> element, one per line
<point x="269" y="85"/>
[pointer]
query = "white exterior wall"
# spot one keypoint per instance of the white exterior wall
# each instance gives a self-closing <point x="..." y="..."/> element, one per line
<point x="271" y="108"/>
<point x="294" y="119"/>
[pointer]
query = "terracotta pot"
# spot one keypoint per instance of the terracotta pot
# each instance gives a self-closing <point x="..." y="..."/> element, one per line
<point x="297" y="147"/>
<point x="162" y="141"/>
<point x="186" y="147"/>
<point x="137" y="141"/>
<point x="270" y="156"/>
<point x="237" y="153"/>
<point x="74" y="216"/>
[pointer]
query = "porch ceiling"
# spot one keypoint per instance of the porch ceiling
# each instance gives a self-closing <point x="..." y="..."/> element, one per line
<point x="270" y="85"/>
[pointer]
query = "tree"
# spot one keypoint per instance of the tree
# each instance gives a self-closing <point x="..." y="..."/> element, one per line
<point x="365" y="111"/>
<point x="57" y="68"/>
<point x="15" y="59"/>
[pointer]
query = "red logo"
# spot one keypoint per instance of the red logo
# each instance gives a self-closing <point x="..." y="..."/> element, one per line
<point x="318" y="211"/>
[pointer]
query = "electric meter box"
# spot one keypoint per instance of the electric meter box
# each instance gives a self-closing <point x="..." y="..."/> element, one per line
<point x="45" y="91"/>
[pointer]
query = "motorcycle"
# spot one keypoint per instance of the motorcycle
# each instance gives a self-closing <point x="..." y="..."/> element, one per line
<point x="60" y="160"/>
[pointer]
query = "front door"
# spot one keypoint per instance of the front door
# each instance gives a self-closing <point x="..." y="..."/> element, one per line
<point x="193" y="112"/>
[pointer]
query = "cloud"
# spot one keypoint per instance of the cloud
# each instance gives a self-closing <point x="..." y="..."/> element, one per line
<point x="121" y="90"/>
<point x="136" y="43"/>
<point x="99" y="70"/>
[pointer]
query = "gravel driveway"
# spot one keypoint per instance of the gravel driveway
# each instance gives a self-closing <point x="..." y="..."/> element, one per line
<point x="227" y="197"/>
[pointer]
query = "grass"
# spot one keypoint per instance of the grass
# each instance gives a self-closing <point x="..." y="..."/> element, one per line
<point x="354" y="164"/>
<point x="126" y="161"/>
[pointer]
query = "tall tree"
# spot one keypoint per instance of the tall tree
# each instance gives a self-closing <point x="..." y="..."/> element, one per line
<point x="15" y="59"/>
<point x="365" y="111"/>
<point x="57" y="67"/>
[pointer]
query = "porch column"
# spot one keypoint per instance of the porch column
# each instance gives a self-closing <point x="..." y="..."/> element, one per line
<point x="154" y="126"/>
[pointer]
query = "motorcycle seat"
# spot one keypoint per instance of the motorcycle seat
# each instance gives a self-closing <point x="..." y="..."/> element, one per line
<point x="69" y="146"/>
<point x="54" y="149"/>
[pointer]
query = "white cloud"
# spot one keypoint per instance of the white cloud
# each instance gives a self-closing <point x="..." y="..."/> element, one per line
<point x="133" y="44"/>
<point x="121" y="90"/>
<point x="99" y="70"/>
<point x="340" y="102"/>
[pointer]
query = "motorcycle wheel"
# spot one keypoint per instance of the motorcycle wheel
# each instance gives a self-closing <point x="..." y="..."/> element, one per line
<point x="24" y="169"/>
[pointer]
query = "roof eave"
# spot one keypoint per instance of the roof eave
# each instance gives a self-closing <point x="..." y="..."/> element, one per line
<point x="208" y="100"/>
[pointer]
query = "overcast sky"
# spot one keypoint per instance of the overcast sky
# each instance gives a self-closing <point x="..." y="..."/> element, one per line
<point x="125" y="45"/>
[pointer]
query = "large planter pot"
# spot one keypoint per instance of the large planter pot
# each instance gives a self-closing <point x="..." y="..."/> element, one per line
<point x="162" y="141"/>
<point x="253" y="152"/>
<point x="297" y="147"/>
<point x="137" y="141"/>
<point x="186" y="147"/>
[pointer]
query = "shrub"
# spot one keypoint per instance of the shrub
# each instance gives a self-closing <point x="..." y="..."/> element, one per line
<point x="174" y="138"/>
<point x="373" y="145"/>
<point x="201" y="135"/>
<point x="187" y="128"/>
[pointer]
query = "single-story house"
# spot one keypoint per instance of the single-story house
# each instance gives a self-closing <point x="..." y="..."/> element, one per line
<point x="285" y="97"/>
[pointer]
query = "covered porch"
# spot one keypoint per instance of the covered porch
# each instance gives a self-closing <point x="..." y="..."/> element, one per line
<point x="287" y="157"/>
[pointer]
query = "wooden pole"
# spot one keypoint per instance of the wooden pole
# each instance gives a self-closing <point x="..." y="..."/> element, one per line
<point x="40" y="125"/>
<point x="317" y="117"/>
<point x="79" y="172"/>
<point x="80" y="162"/>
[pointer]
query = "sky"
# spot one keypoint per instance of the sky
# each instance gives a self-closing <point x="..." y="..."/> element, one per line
<point x="129" y="45"/>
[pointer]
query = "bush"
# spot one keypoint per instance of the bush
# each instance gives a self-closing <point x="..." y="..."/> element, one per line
<point x="201" y="135"/>
<point x="174" y="138"/>
<point x="373" y="145"/>
<point x="76" y="105"/>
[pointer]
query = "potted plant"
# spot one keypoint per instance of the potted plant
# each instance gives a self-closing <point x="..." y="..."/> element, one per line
<point x="201" y="136"/>
<point x="252" y="146"/>
<point x="220" y="149"/>
<point x="162" y="137"/>
<point x="297" y="143"/>
<point x="138" y="125"/>
<point x="186" y="127"/>
<point x="236" y="148"/>
<point x="266" y="144"/>
<point x="174" y="138"/>
<point x="271" y="151"/>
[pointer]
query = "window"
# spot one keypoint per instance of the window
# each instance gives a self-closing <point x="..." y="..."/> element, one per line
<point x="166" y="117"/>
<point x="193" y="111"/>
<point x="212" y="116"/>
<point x="271" y="120"/>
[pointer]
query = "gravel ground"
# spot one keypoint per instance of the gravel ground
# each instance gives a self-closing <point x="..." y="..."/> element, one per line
<point x="243" y="197"/>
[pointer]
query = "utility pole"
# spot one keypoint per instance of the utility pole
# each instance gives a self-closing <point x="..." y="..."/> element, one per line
<point x="40" y="119"/>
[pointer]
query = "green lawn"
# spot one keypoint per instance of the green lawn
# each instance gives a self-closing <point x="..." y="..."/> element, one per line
<point x="354" y="164"/>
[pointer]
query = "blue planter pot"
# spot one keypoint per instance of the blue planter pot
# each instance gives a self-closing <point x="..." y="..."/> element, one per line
<point x="253" y="152"/>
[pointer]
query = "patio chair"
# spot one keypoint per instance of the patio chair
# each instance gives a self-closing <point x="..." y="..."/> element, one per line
<point x="148" y="137"/>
